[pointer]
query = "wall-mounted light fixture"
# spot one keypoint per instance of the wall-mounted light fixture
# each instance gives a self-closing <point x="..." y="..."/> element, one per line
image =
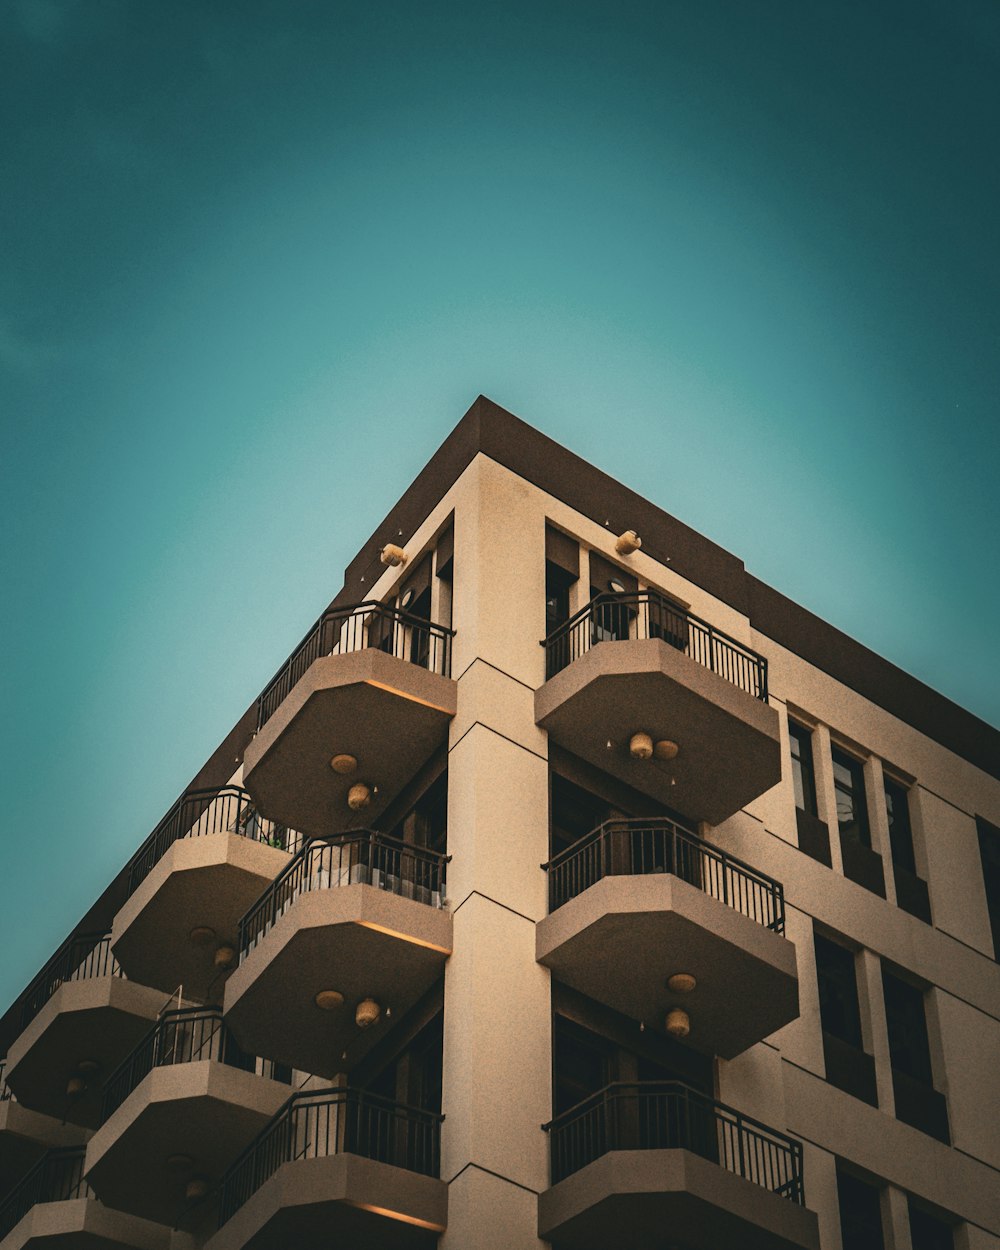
<point x="678" y="1022"/>
<point x="367" y="1014"/>
<point x="225" y="956"/>
<point x="358" y="796"/>
<point x="616" y="586"/>
<point x="641" y="746"/>
<point x="392" y="555"/>
<point x="627" y="542"/>
<point x="407" y="598"/>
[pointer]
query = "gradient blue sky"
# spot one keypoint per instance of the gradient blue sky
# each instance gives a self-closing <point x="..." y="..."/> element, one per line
<point x="256" y="259"/>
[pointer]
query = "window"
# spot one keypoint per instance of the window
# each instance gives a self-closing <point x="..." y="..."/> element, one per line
<point x="557" y="584"/>
<point x="911" y="889"/>
<point x="989" y="852"/>
<point x="848" y="1065"/>
<point x="803" y="776"/>
<point x="861" y="863"/>
<point x="860" y="1213"/>
<point x="929" y="1232"/>
<point x="918" y="1103"/>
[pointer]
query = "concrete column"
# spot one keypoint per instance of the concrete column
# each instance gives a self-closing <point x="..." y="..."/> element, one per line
<point x="878" y="822"/>
<point x="895" y="1219"/>
<point x="497" y="1016"/>
<point x="874" y="1031"/>
<point x="826" y="795"/>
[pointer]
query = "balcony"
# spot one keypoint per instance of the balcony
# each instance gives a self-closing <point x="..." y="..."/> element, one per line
<point x="360" y="915"/>
<point x="176" y="1113"/>
<point x="53" y="1206"/>
<point x="637" y="902"/>
<point x="25" y="1135"/>
<point x="651" y="1162"/>
<point x="630" y="664"/>
<point x="369" y="686"/>
<point x="190" y="882"/>
<point x="337" y="1167"/>
<point x="79" y="1018"/>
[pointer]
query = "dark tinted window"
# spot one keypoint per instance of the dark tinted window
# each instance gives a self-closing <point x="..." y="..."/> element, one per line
<point x="897" y="809"/>
<point x="907" y="1023"/>
<point x="928" y="1232"/>
<point x="838" y="991"/>
<point x="852" y="809"/>
<point x="860" y="1213"/>
<point x="989" y="850"/>
<point x="803" y="777"/>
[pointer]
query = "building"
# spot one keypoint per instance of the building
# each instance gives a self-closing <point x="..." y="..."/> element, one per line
<point x="567" y="885"/>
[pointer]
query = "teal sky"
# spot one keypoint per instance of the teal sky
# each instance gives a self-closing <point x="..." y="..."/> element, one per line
<point x="257" y="258"/>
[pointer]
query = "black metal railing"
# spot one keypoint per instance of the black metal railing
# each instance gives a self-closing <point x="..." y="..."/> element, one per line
<point x="637" y="847"/>
<point x="361" y="857"/>
<point x="319" y="1123"/>
<point x="357" y="627"/>
<point x="56" y="1177"/>
<point x="79" y="958"/>
<point x="666" y="1115"/>
<point x="225" y="809"/>
<point x="186" y="1035"/>
<point x="647" y="614"/>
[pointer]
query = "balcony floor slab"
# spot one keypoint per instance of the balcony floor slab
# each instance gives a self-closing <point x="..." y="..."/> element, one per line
<point x="84" y="1224"/>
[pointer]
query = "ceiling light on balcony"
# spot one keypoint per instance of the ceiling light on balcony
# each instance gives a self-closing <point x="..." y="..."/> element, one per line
<point x="329" y="1000"/>
<point x="681" y="983"/>
<point x="392" y="555"/>
<point x="358" y="796"/>
<point x="225" y="956"/>
<point x="201" y="935"/>
<point x="367" y="1014"/>
<point x="87" y="1067"/>
<point x="197" y="1187"/>
<point x="179" y="1163"/>
<point x="678" y="1022"/>
<point x="344" y="764"/>
<point x="407" y="598"/>
<point x="641" y="746"/>
<point x="666" y="750"/>
<point x="75" y="1086"/>
<point x="627" y="542"/>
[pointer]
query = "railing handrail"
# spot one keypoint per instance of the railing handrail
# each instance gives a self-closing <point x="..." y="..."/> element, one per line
<point x="275" y="1145"/>
<point x="649" y="595"/>
<point x="727" y="862"/>
<point x="348" y="838"/>
<point x="782" y="1178"/>
<point x="36" y="1185"/>
<point x="60" y="967"/>
<point x="345" y="612"/>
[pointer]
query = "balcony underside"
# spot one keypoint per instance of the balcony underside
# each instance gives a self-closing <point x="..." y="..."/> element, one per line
<point x="729" y="742"/>
<point x="98" y="1020"/>
<point x="621" y="939"/>
<point x="25" y="1136"/>
<point x="206" y="1111"/>
<point x="84" y="1224"/>
<point x="358" y="940"/>
<point x="389" y="714"/>
<point x="205" y="881"/>
<point x="645" y="1199"/>
<point x="344" y="1199"/>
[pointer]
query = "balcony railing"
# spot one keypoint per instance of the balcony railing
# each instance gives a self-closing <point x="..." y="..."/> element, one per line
<point x="647" y="614"/>
<point x="198" y="812"/>
<point x="357" y="627"/>
<point x="325" y="1122"/>
<point x="625" y="848"/>
<point x="78" y="959"/>
<point x="57" y="1177"/>
<point x="361" y="857"/>
<point x="183" y="1036"/>
<point x="666" y="1115"/>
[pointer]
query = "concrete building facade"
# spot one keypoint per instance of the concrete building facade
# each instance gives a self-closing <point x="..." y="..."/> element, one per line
<point x="567" y="886"/>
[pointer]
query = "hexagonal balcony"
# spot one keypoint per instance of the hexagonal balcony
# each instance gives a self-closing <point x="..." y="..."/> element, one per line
<point x="354" y="919"/>
<point x="176" y="1113"/>
<point x="190" y="882"/>
<point x="638" y="1162"/>
<point x="26" y="1135"/>
<point x="79" y="1018"/>
<point x="337" y="1166"/>
<point x="369" y="687"/>
<point x="639" y="904"/>
<point x="54" y="1207"/>
<point x="636" y="664"/>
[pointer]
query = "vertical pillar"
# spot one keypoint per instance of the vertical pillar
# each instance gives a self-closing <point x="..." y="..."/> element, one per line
<point x="895" y="1219"/>
<point x="874" y="1030"/>
<point x="878" y="822"/>
<point x="497" y="1014"/>
<point x="826" y="795"/>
